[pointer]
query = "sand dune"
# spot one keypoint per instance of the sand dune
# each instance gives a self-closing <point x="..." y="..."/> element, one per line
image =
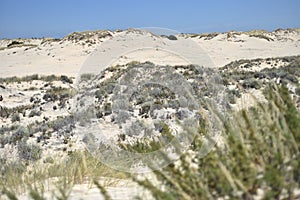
<point x="67" y="55"/>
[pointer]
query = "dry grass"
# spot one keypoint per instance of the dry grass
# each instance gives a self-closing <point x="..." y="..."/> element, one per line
<point x="57" y="177"/>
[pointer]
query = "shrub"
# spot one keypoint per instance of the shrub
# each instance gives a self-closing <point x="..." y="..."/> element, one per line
<point x="19" y="134"/>
<point x="50" y="97"/>
<point x="59" y="93"/>
<point x="297" y="91"/>
<point x="172" y="37"/>
<point x="34" y="113"/>
<point x="15" y="117"/>
<point x="232" y="95"/>
<point x="14" y="43"/>
<point x="65" y="79"/>
<point x="107" y="108"/>
<point x="262" y="37"/>
<point x="50" y="78"/>
<point x="29" y="152"/>
<point x="30" y="78"/>
<point x="100" y="94"/>
<point x="86" y="77"/>
<point x="251" y="83"/>
<point x="63" y="124"/>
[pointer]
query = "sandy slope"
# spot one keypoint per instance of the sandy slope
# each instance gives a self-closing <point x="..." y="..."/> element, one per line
<point x="67" y="56"/>
<point x="223" y="50"/>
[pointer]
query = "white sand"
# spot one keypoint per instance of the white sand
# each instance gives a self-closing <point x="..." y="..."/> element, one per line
<point x="67" y="57"/>
<point x="223" y="50"/>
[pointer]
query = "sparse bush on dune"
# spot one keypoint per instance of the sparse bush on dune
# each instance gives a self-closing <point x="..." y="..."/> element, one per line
<point x="86" y="77"/>
<point x="46" y="40"/>
<point x="251" y="83"/>
<point x="65" y="79"/>
<point x="34" y="113"/>
<point x="15" y="117"/>
<point x="33" y="77"/>
<point x="232" y="95"/>
<point x="172" y="37"/>
<point x="13" y="135"/>
<point x="59" y="94"/>
<point x="62" y="123"/>
<point x="297" y="91"/>
<point x="14" y="43"/>
<point x="261" y="36"/>
<point x="29" y="152"/>
<point x="5" y="112"/>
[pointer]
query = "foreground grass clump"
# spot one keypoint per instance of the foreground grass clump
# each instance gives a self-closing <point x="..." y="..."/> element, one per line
<point x="260" y="157"/>
<point x="55" y="175"/>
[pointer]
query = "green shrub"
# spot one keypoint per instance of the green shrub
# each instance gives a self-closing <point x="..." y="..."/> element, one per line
<point x="86" y="77"/>
<point x="34" y="113"/>
<point x="30" y="152"/>
<point x="172" y="37"/>
<point x="66" y="79"/>
<point x="262" y="37"/>
<point x="21" y="133"/>
<point x="14" y="43"/>
<point x="33" y="77"/>
<point x="15" y="117"/>
<point x="297" y="91"/>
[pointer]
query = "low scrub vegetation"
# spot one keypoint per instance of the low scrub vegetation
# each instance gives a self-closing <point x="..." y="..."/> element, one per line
<point x="257" y="156"/>
<point x="261" y="152"/>
<point x="33" y="77"/>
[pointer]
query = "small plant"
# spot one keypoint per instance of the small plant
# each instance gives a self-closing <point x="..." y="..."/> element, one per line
<point x="14" y="43"/>
<point x="10" y="195"/>
<point x="33" y="77"/>
<point x="62" y="123"/>
<point x="34" y="113"/>
<point x="21" y="133"/>
<point x="261" y="36"/>
<point x="66" y="79"/>
<point x="29" y="152"/>
<point x="86" y="77"/>
<point x="15" y="117"/>
<point x="251" y="83"/>
<point x="172" y="37"/>
<point x="102" y="190"/>
<point x="297" y="91"/>
<point x="36" y="194"/>
<point x="100" y="94"/>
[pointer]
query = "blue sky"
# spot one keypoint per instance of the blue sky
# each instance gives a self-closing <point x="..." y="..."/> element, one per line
<point x="56" y="18"/>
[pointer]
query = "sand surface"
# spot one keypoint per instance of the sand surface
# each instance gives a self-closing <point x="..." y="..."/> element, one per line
<point x="71" y="57"/>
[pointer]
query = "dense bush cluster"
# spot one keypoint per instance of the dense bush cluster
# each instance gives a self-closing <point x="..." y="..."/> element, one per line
<point x="289" y="74"/>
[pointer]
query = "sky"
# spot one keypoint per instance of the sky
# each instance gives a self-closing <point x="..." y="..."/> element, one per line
<point x="56" y="18"/>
